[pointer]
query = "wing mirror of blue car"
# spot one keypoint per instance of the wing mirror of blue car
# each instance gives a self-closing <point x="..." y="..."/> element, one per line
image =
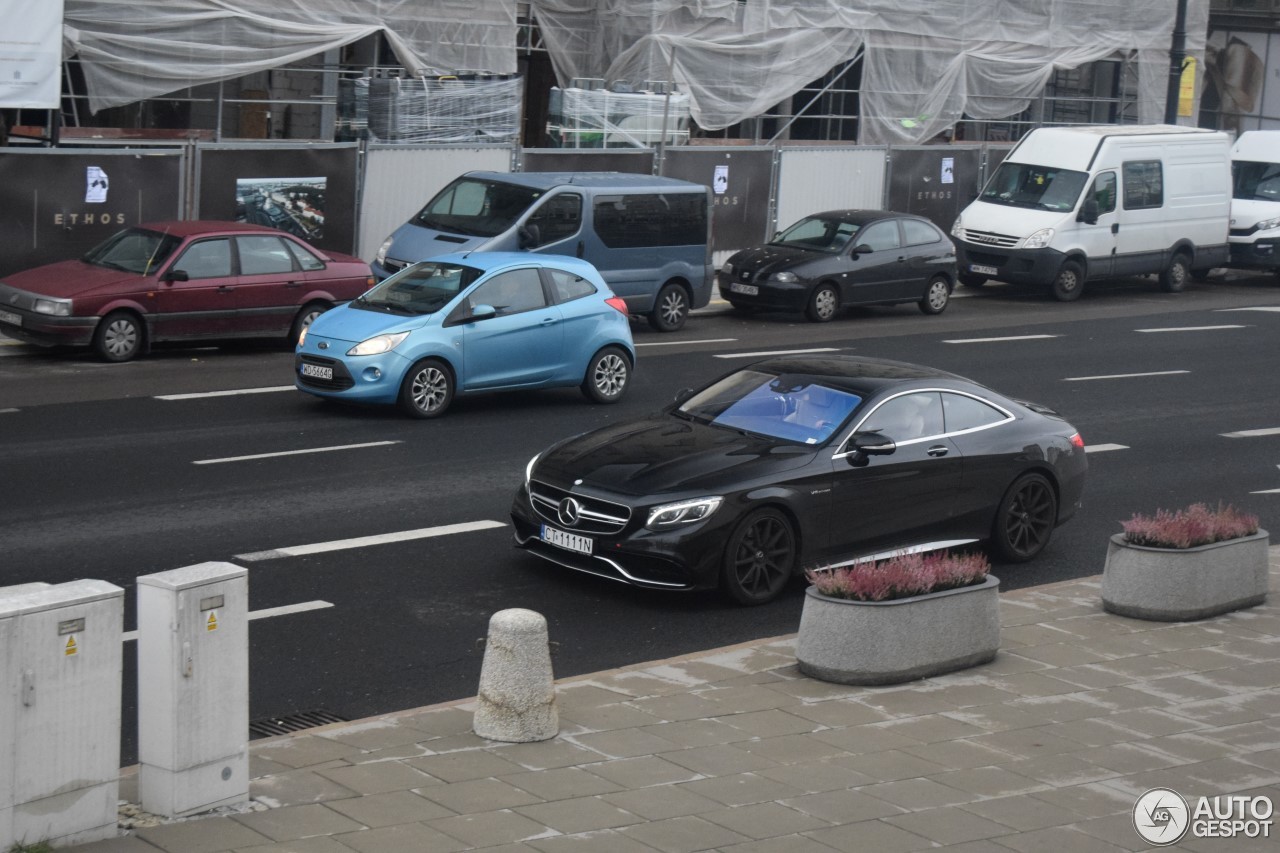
<point x="863" y="445"/>
<point x="176" y="275"/>
<point x="483" y="312"/>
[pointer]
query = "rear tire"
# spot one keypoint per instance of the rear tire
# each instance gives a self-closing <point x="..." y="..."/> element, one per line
<point x="607" y="376"/>
<point x="1068" y="284"/>
<point x="1174" y="277"/>
<point x="670" y="309"/>
<point x="1025" y="519"/>
<point x="427" y="389"/>
<point x="824" y="304"/>
<point x="760" y="558"/>
<point x="120" y="336"/>
<point x="936" y="296"/>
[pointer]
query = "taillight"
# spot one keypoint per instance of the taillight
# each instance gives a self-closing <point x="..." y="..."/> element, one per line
<point x="619" y="303"/>
<point x="1077" y="441"/>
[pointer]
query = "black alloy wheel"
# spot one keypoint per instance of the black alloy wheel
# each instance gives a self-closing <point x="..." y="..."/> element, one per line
<point x="1025" y="519"/>
<point x="760" y="558"/>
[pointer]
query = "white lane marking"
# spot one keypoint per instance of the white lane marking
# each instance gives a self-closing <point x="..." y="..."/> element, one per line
<point x="1252" y="433"/>
<point x="1191" y="329"/>
<point x="273" y="389"/>
<point x="993" y="340"/>
<point x="1102" y="448"/>
<point x="6" y="411"/>
<point x="1258" y="308"/>
<point x="286" y="610"/>
<point x="678" y="343"/>
<point x="775" y="352"/>
<point x="292" y="452"/>
<point x="366" y="541"/>
<point x="1267" y="492"/>
<point x="1124" y="375"/>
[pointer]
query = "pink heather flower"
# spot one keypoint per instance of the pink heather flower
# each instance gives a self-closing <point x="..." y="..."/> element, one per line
<point x="900" y="577"/>
<point x="1189" y="528"/>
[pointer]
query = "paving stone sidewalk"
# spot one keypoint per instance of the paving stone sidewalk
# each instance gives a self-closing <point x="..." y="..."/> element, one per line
<point x="1046" y="748"/>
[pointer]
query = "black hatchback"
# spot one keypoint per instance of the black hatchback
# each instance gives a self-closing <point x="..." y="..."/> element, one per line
<point x="844" y="257"/>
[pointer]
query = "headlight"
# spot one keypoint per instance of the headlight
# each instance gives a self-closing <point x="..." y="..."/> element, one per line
<point x="302" y="336"/>
<point x="381" y="257"/>
<point x="684" y="512"/>
<point x="379" y="344"/>
<point x="1268" y="224"/>
<point x="1038" y="240"/>
<point x="957" y="229"/>
<point x="784" y="277"/>
<point x="528" y="469"/>
<point x="54" y="307"/>
<point x="727" y="269"/>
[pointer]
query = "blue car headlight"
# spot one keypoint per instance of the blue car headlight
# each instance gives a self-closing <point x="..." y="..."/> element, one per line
<point x="684" y="512"/>
<point x="378" y="344"/>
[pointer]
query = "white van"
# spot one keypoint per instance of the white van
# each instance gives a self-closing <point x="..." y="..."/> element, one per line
<point x="1255" y="201"/>
<point x="1076" y="204"/>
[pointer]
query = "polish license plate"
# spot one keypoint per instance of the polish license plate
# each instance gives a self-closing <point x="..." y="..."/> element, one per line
<point x="567" y="541"/>
<point x="981" y="270"/>
<point x="744" y="289"/>
<point x="317" y="371"/>
<point x="11" y="319"/>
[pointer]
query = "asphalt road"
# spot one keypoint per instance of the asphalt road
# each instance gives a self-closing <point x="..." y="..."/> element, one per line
<point x="115" y="471"/>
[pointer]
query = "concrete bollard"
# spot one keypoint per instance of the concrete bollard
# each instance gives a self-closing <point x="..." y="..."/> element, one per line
<point x="517" y="698"/>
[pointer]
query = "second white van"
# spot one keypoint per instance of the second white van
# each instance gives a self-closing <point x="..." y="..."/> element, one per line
<point x="1076" y="204"/>
<point x="1255" y="203"/>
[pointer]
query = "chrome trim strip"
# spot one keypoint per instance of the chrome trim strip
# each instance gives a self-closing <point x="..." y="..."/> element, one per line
<point x="1008" y="416"/>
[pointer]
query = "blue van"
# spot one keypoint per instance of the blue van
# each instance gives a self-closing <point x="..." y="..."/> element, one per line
<point x="650" y="237"/>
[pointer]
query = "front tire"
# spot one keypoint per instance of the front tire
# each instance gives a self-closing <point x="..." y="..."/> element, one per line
<point x="607" y="376"/>
<point x="1174" y="277"/>
<point x="760" y="558"/>
<point x="1025" y="519"/>
<point x="119" y="337"/>
<point x="427" y="389"/>
<point x="936" y="296"/>
<point x="670" y="309"/>
<point x="1068" y="284"/>
<point x="824" y="302"/>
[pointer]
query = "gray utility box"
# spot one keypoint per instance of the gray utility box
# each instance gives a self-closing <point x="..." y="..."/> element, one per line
<point x="193" y="689"/>
<point x="61" y="661"/>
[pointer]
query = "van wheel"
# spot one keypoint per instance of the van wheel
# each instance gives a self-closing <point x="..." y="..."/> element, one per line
<point x="1174" y="278"/>
<point x="968" y="279"/>
<point x="1069" y="283"/>
<point x="670" y="309"/>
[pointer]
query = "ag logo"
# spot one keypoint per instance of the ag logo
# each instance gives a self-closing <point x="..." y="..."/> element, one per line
<point x="1161" y="816"/>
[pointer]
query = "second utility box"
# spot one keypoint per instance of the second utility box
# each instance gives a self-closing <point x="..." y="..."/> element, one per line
<point x="60" y="668"/>
<point x="193" y="688"/>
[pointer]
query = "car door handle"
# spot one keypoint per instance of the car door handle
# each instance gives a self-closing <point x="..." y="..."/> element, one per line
<point x="225" y="288"/>
<point x="902" y="260"/>
<point x="937" y="450"/>
<point x="293" y="284"/>
<point x="550" y="321"/>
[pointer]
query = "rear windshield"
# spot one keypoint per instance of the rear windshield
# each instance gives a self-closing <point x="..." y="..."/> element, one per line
<point x="422" y="288"/>
<point x="134" y="250"/>
<point x="476" y="207"/>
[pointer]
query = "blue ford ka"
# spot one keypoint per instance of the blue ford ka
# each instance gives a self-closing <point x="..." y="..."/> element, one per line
<point x="471" y="323"/>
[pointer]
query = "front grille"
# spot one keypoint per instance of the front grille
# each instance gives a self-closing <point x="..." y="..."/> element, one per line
<point x="990" y="238"/>
<point x="341" y="380"/>
<point x="595" y="516"/>
<point x="292" y="723"/>
<point x="1242" y="232"/>
<point x="393" y="266"/>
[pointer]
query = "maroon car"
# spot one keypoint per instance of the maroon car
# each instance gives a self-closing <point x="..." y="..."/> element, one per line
<point x="179" y="281"/>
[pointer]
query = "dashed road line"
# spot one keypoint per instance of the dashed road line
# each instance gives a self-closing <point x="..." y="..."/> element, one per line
<point x="1275" y="308"/>
<point x="994" y="340"/>
<point x="1190" y="329"/>
<point x="1124" y="375"/>
<point x="195" y="396"/>
<point x="366" y="541"/>
<point x="1103" y="448"/>
<point x="775" y="352"/>
<point x="286" y="610"/>
<point x="292" y="452"/>
<point x="1252" y="433"/>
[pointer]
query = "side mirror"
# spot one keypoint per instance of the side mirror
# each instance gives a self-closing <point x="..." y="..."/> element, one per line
<point x="482" y="312"/>
<point x="529" y="237"/>
<point x="683" y="394"/>
<point x="1088" y="212"/>
<point x="176" y="275"/>
<point x="861" y="249"/>
<point x="864" y="445"/>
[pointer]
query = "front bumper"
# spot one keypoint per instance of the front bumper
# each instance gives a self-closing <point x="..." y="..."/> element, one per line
<point x="366" y="379"/>
<point x="1263" y="254"/>
<point x="683" y="558"/>
<point x="770" y="295"/>
<point x="1016" y="266"/>
<point x="47" y="330"/>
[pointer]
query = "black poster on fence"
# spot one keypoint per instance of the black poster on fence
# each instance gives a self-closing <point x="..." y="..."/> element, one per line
<point x="307" y="191"/>
<point x="741" y="181"/>
<point x="55" y="205"/>
<point x="934" y="181"/>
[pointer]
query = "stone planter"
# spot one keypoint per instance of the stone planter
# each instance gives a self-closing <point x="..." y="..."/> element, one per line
<point x="887" y="642"/>
<point x="1182" y="584"/>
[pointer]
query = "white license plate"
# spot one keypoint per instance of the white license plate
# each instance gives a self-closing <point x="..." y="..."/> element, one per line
<point x="567" y="541"/>
<point x="11" y="319"/>
<point x="981" y="270"/>
<point x="317" y="371"/>
<point x="744" y="289"/>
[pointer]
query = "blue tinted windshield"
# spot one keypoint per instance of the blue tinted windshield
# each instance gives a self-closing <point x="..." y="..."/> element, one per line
<point x="786" y="407"/>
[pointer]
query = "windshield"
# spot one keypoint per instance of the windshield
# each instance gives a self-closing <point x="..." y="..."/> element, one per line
<point x="133" y="250"/>
<point x="1255" y="181"/>
<point x="1036" y="187"/>
<point x="476" y="207"/>
<point x="422" y="288"/>
<point x="789" y="407"/>
<point x="818" y="233"/>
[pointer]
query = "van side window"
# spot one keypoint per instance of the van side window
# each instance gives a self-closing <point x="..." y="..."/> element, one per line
<point x="559" y="217"/>
<point x="568" y="286"/>
<point x="650" y="219"/>
<point x="1143" y="184"/>
<point x="1104" y="192"/>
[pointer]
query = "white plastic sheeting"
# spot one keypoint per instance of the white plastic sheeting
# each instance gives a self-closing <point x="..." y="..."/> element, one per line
<point x="136" y="49"/>
<point x="927" y="62"/>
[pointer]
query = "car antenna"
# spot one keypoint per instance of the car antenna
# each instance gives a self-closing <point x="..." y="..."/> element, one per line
<point x="147" y="269"/>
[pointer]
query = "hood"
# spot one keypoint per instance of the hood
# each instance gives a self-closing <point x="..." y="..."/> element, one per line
<point x="1245" y="212"/>
<point x="354" y="325"/>
<point x="412" y="243"/>
<point x="1020" y="222"/>
<point x="772" y="258"/>
<point x="663" y="454"/>
<point x="68" y="279"/>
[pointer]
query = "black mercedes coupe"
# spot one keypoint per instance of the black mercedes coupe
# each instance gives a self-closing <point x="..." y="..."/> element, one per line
<point x="797" y="462"/>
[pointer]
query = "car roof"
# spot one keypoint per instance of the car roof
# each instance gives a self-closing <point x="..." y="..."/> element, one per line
<point x="857" y="374"/>
<point x="591" y="180"/>
<point x="193" y="227"/>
